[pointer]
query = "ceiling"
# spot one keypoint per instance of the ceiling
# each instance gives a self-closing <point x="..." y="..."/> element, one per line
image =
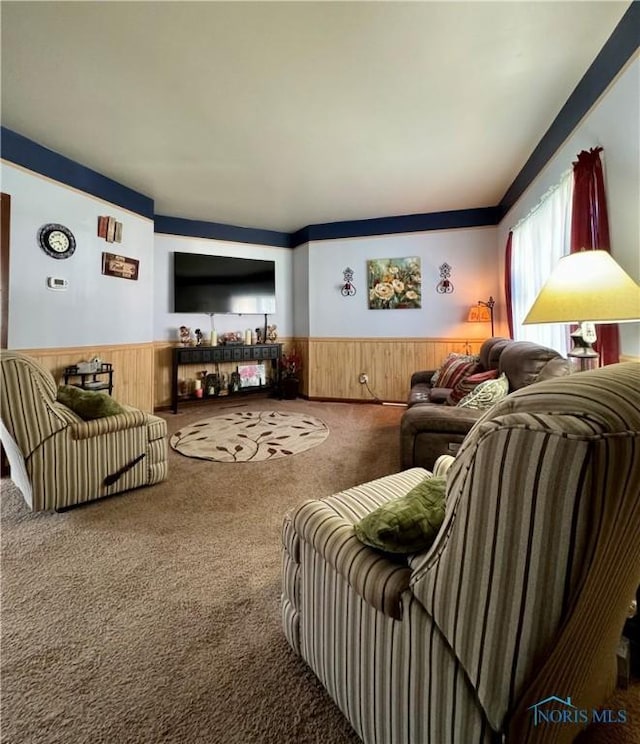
<point x="279" y="115"/>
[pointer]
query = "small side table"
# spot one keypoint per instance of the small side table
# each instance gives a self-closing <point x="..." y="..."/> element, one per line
<point x="89" y="380"/>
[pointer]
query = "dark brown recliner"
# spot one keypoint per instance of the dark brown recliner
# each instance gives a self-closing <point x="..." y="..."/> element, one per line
<point x="422" y="390"/>
<point x="431" y="428"/>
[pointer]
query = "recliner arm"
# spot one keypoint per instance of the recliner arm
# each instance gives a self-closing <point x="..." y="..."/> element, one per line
<point x="120" y="421"/>
<point x="428" y="418"/>
<point x="374" y="577"/>
<point x="442" y="465"/>
<point x="422" y="377"/>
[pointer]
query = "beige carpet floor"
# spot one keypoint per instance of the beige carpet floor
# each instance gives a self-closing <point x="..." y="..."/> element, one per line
<point x="153" y="616"/>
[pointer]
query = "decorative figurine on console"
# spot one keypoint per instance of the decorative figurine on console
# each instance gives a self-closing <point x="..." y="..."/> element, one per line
<point x="272" y="334"/>
<point x="259" y="336"/>
<point x="199" y="337"/>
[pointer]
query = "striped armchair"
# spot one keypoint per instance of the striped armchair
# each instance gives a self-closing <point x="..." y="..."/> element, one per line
<point x="522" y="596"/>
<point x="57" y="459"/>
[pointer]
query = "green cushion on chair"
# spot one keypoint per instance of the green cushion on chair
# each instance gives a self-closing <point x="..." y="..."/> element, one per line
<point x="88" y="404"/>
<point x="407" y="524"/>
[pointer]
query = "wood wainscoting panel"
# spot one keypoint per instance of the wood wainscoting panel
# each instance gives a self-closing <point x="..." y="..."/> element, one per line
<point x="334" y="365"/>
<point x="162" y="351"/>
<point x="133" y="368"/>
<point x="331" y="366"/>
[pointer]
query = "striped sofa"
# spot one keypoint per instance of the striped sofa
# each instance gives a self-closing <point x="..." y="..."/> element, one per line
<point x="57" y="459"/>
<point x="523" y="595"/>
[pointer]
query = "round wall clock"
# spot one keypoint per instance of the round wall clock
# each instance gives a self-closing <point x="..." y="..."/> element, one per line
<point x="56" y="241"/>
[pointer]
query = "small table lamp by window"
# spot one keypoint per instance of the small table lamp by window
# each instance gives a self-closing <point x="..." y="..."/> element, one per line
<point x="586" y="287"/>
<point x="482" y="312"/>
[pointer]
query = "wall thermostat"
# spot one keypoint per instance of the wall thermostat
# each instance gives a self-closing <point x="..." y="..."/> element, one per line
<point x="54" y="282"/>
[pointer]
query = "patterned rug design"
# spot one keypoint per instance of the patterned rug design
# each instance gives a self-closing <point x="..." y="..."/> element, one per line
<point x="250" y="436"/>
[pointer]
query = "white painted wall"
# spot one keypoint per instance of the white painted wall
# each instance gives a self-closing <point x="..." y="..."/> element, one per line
<point x="471" y="252"/>
<point x="301" y="290"/>
<point x="614" y="124"/>
<point x="95" y="309"/>
<point x="167" y="323"/>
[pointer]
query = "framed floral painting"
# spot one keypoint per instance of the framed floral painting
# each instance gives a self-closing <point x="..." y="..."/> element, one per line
<point x="394" y="283"/>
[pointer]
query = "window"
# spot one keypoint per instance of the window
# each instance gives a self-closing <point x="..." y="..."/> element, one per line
<point x="538" y="243"/>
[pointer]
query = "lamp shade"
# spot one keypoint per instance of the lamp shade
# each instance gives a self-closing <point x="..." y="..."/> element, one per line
<point x="479" y="314"/>
<point x="586" y="286"/>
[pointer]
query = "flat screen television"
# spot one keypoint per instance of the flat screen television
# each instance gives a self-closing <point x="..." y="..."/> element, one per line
<point x="223" y="284"/>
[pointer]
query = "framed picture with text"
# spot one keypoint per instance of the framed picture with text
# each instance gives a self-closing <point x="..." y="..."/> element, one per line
<point x="120" y="266"/>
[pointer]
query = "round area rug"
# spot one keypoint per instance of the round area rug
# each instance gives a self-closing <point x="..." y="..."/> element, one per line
<point x="249" y="436"/>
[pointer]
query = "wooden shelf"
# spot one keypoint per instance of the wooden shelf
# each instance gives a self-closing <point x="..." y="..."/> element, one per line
<point x="89" y="380"/>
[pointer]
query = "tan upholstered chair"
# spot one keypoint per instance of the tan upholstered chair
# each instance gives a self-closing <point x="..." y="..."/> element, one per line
<point x="523" y="595"/>
<point x="58" y="460"/>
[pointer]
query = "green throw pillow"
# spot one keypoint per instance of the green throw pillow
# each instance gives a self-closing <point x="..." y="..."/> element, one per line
<point x="88" y="404"/>
<point x="407" y="524"/>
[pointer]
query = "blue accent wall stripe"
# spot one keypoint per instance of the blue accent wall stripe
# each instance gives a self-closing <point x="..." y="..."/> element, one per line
<point x="22" y="151"/>
<point x="618" y="49"/>
<point x="400" y="224"/>
<point x="220" y="231"/>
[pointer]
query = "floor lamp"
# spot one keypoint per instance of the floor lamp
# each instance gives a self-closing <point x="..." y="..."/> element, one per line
<point x="482" y="312"/>
<point x="587" y="287"/>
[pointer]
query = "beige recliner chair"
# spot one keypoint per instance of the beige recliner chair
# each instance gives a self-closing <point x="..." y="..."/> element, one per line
<point x="522" y="597"/>
<point x="57" y="459"/>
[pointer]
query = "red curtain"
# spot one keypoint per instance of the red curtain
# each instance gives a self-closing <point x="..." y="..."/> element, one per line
<point x="590" y="230"/>
<point x="507" y="284"/>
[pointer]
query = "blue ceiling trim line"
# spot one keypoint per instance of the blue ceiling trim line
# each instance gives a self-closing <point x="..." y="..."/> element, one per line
<point x="300" y="237"/>
<point x="616" y="52"/>
<point x="22" y="151"/>
<point x="458" y="218"/>
<point x="220" y="231"/>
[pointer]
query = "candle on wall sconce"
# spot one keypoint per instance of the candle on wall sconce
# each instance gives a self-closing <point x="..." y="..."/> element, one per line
<point x="347" y="290"/>
<point x="444" y="286"/>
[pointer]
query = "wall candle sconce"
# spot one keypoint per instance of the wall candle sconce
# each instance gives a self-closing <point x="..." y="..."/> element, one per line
<point x="348" y="290"/>
<point x="482" y="312"/>
<point x="444" y="286"/>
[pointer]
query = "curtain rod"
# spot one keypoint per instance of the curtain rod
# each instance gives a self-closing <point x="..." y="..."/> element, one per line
<point x="542" y="200"/>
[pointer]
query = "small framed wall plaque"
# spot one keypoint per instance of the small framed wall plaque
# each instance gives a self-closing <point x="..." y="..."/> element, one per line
<point x="120" y="266"/>
<point x="110" y="229"/>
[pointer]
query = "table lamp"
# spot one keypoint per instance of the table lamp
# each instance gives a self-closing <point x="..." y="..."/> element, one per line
<point x="587" y="287"/>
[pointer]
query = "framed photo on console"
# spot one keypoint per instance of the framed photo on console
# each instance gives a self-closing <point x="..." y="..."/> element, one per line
<point x="252" y="375"/>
